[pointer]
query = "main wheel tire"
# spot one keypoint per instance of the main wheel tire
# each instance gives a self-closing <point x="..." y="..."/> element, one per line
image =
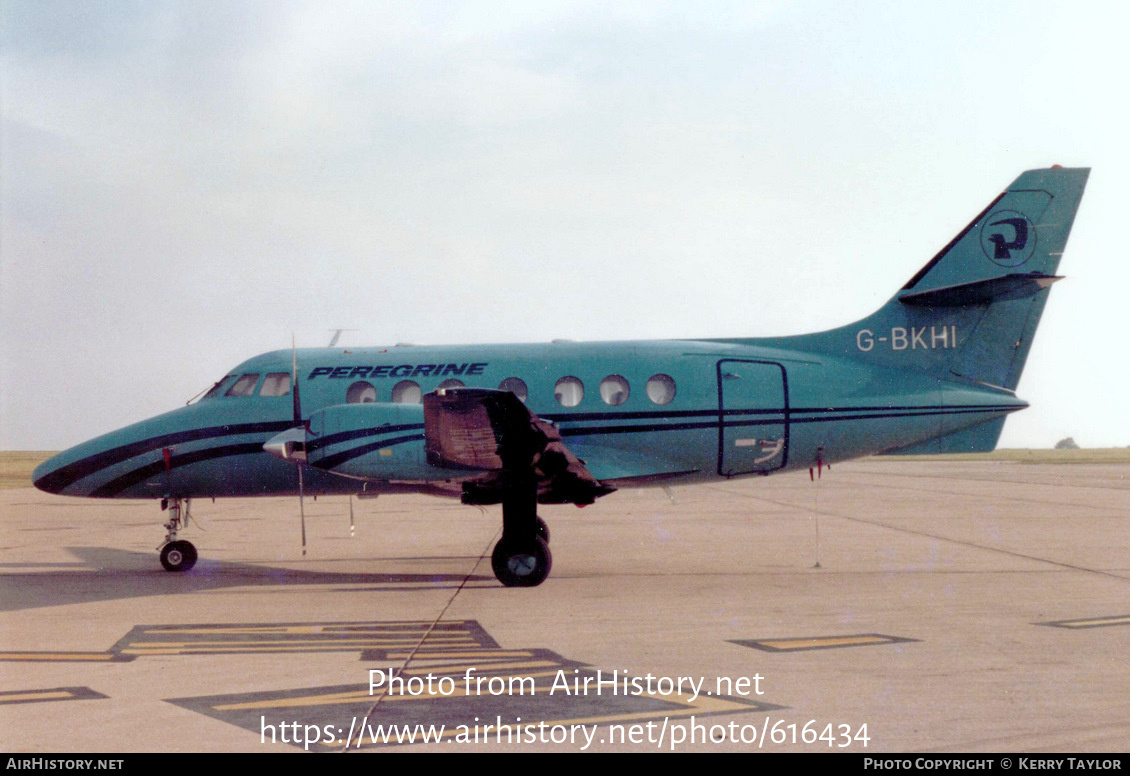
<point x="516" y="566"/>
<point x="178" y="556"/>
<point x="543" y="530"/>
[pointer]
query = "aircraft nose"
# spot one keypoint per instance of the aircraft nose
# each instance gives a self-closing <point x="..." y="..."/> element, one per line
<point x="46" y="475"/>
<point x="62" y="473"/>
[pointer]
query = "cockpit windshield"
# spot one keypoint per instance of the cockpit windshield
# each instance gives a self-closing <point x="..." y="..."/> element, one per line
<point x="276" y="384"/>
<point x="216" y="389"/>
<point x="239" y="385"/>
<point x="244" y="386"/>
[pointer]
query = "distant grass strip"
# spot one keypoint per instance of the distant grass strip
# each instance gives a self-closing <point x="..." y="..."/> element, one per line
<point x="1087" y="455"/>
<point x="16" y="467"/>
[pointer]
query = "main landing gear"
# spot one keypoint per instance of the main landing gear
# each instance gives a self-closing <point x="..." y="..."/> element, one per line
<point x="176" y="554"/>
<point x="522" y="557"/>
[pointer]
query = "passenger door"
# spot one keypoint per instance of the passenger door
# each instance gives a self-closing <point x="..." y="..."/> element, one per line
<point x="753" y="417"/>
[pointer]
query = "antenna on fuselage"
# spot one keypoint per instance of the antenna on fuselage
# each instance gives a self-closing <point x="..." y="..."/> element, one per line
<point x="337" y="335"/>
<point x="298" y="423"/>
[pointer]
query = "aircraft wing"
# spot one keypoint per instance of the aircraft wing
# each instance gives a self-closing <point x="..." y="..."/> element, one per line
<point x="625" y="467"/>
<point x="490" y="431"/>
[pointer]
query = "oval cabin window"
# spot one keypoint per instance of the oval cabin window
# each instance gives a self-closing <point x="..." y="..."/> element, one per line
<point x="569" y="391"/>
<point x="361" y="393"/>
<point x="661" y="389"/>
<point x="407" y="392"/>
<point x="614" y="390"/>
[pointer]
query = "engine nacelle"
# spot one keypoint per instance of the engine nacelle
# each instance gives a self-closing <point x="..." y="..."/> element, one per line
<point x="373" y="441"/>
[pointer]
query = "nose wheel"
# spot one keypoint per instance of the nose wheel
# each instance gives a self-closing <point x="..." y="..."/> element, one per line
<point x="176" y="554"/>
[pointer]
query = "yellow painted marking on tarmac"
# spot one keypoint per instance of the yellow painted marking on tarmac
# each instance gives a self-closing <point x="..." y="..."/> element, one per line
<point x="460" y="640"/>
<point x="842" y="641"/>
<point x="231" y="649"/>
<point x="80" y="657"/>
<point x="47" y="695"/>
<point x="240" y="647"/>
<point x="297" y="630"/>
<point x="486" y="653"/>
<point x="288" y="642"/>
<point x="483" y="669"/>
<point x="244" y="646"/>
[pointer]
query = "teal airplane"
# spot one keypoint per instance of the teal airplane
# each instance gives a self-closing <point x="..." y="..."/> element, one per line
<point x="932" y="371"/>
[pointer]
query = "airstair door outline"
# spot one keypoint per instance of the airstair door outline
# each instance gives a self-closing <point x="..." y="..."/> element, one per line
<point x="753" y="417"/>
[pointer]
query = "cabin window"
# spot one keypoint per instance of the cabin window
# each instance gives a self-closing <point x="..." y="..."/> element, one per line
<point x="407" y="392"/>
<point x="569" y="391"/>
<point x="276" y="384"/>
<point x="660" y="389"/>
<point x="614" y="390"/>
<point x="219" y="386"/>
<point x="360" y="392"/>
<point x="244" y="386"/>
<point x="451" y="382"/>
<point x="516" y="386"/>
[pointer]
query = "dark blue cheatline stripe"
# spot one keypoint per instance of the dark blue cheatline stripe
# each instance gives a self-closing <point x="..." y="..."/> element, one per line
<point x="878" y="408"/>
<point x="337" y="459"/>
<point x="346" y="436"/>
<point x="556" y="417"/>
<point x="125" y="481"/>
<point x="116" y="486"/>
<point x="949" y="411"/>
<point x="780" y="418"/>
<point x="772" y="416"/>
<point x="67" y="475"/>
<point x="713" y="413"/>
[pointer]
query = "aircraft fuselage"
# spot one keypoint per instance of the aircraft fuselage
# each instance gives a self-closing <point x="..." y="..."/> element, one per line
<point x="730" y="410"/>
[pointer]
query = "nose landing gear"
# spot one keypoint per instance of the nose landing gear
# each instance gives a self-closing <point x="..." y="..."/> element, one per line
<point x="176" y="554"/>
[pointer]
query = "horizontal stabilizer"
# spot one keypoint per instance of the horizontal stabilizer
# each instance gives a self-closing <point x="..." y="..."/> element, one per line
<point x="1014" y="286"/>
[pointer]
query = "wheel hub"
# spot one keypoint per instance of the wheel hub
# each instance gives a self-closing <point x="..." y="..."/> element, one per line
<point x="522" y="565"/>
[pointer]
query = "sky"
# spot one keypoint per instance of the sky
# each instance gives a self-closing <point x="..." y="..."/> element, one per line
<point x="184" y="185"/>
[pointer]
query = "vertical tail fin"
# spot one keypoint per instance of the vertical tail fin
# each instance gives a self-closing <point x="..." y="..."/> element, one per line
<point x="999" y="268"/>
<point x="972" y="311"/>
